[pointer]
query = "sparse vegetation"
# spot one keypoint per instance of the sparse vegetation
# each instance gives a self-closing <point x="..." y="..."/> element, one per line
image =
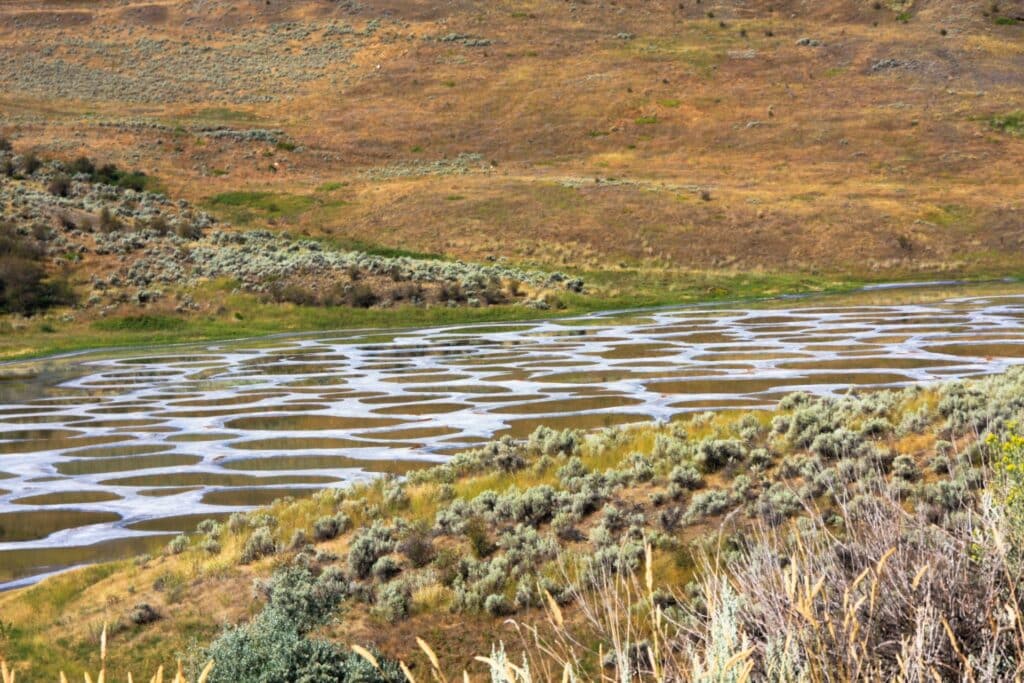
<point x="341" y="165"/>
<point x="514" y="506"/>
<point x="1012" y="123"/>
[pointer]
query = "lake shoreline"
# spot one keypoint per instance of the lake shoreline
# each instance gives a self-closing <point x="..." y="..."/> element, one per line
<point x="194" y="331"/>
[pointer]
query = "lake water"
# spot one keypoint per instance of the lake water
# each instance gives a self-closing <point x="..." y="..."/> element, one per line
<point x="105" y="455"/>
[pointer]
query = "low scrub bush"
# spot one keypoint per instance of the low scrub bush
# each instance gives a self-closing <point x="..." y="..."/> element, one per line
<point x="178" y="545"/>
<point x="394" y="601"/>
<point x="275" y="645"/>
<point x="24" y="287"/>
<point x="714" y="454"/>
<point x="259" y="545"/>
<point x="417" y="546"/>
<point x="367" y="547"/>
<point x="330" y="527"/>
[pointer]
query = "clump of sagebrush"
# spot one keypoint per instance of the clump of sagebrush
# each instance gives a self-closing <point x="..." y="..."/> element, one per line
<point x="892" y="594"/>
<point x="369" y="545"/>
<point x="331" y="526"/>
<point x="488" y="530"/>
<point x="260" y="544"/>
<point x="178" y="545"/>
<point x="819" y="451"/>
<point x="108" y="174"/>
<point x="275" y="645"/>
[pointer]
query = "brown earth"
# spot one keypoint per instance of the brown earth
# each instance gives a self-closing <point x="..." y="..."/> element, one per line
<point x="690" y="136"/>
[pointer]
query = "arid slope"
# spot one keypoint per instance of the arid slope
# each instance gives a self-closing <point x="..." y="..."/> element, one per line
<point x="845" y="137"/>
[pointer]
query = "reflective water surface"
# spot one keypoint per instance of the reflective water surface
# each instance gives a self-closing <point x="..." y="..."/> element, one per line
<point x="105" y="454"/>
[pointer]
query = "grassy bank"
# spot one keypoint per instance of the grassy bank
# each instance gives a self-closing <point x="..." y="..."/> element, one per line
<point x="240" y="315"/>
<point x="244" y="315"/>
<point x="462" y="553"/>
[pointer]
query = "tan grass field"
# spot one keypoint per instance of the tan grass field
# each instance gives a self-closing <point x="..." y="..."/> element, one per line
<point x="598" y="126"/>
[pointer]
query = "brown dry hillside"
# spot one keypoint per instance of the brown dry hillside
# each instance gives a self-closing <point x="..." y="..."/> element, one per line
<point x="842" y="136"/>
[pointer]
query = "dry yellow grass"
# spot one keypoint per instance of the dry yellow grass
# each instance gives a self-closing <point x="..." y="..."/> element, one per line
<point x="814" y="158"/>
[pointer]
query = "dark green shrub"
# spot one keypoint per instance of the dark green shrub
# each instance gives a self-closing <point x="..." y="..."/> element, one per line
<point x="1012" y="123"/>
<point x="23" y="284"/>
<point x="143" y="614"/>
<point x="110" y="174"/>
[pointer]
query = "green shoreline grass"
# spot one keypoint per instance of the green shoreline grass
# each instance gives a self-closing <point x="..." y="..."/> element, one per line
<point x="245" y="316"/>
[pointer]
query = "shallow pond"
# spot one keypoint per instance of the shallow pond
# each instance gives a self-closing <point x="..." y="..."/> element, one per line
<point x="104" y="454"/>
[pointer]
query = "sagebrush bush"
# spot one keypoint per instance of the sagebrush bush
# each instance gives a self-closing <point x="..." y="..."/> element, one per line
<point x="417" y="546"/>
<point x="369" y="545"/>
<point x="714" y="454"/>
<point x="546" y="441"/>
<point x="498" y="605"/>
<point x="259" y="545"/>
<point x="777" y="503"/>
<point x="385" y="568"/>
<point x="394" y="601"/>
<point x="708" y="503"/>
<point x="178" y="545"/>
<point x="238" y="522"/>
<point x="275" y="646"/>
<point x="686" y="476"/>
<point x="305" y="598"/>
<point x="904" y="467"/>
<point x="209" y="527"/>
<point x="331" y="526"/>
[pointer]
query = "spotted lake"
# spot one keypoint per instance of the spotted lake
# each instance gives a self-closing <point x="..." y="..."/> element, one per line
<point x="105" y="455"/>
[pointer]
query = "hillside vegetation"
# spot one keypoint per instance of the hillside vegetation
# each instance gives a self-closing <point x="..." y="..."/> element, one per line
<point x="660" y="151"/>
<point x="873" y="535"/>
<point x="180" y="170"/>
